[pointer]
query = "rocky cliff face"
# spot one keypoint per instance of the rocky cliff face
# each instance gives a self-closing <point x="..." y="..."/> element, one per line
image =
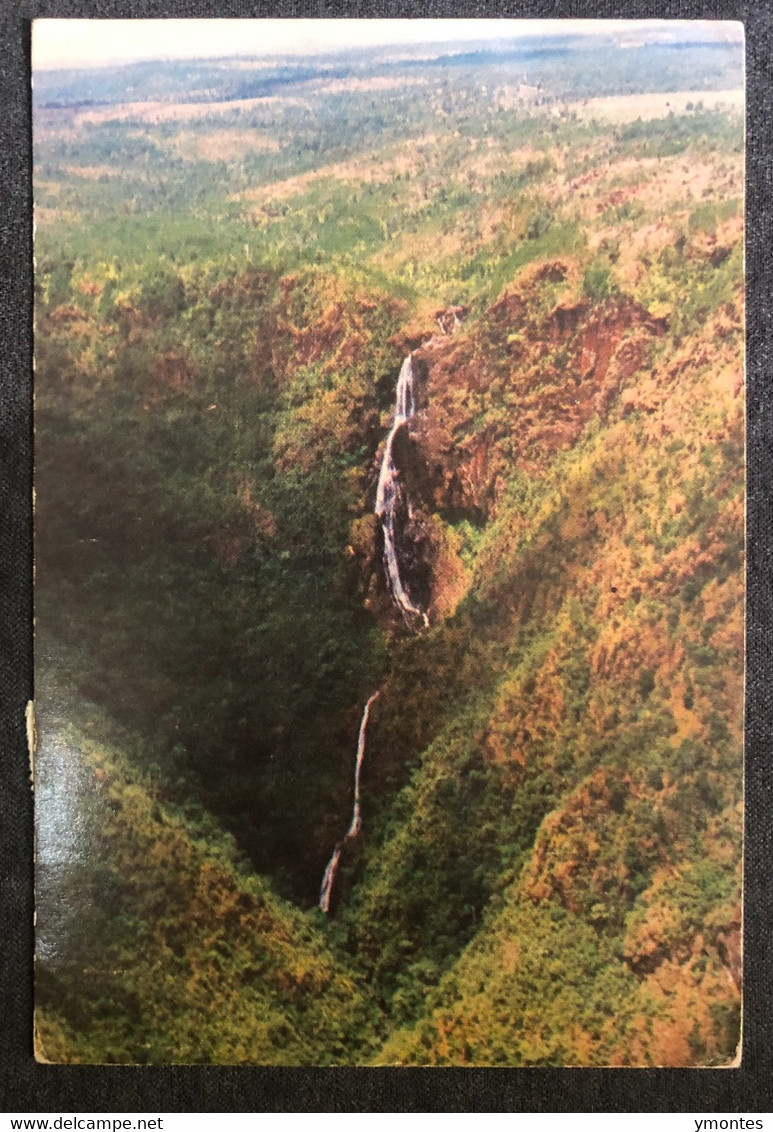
<point x="516" y="386"/>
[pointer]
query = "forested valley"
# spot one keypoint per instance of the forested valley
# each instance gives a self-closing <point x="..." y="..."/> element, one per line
<point x="233" y="261"/>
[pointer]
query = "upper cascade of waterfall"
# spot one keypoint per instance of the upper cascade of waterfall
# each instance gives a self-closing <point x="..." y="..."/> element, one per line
<point x="390" y="495"/>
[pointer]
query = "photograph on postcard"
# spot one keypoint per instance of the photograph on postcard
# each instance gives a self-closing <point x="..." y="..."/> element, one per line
<point x="389" y="536"/>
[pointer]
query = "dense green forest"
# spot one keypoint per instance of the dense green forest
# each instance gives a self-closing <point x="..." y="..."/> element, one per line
<point x="233" y="261"/>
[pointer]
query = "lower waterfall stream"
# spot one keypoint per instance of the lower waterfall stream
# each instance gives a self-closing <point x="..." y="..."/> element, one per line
<point x="356" y="823"/>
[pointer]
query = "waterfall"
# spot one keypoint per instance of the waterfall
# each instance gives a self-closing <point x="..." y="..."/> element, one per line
<point x="389" y="495"/>
<point x="356" y="823"/>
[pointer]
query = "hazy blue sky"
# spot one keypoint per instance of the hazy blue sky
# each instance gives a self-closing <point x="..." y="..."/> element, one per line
<point x="58" y="43"/>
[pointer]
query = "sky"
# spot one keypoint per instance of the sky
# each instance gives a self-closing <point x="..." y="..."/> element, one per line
<point x="72" y="43"/>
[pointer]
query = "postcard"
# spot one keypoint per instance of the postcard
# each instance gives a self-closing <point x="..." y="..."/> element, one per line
<point x="389" y="473"/>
